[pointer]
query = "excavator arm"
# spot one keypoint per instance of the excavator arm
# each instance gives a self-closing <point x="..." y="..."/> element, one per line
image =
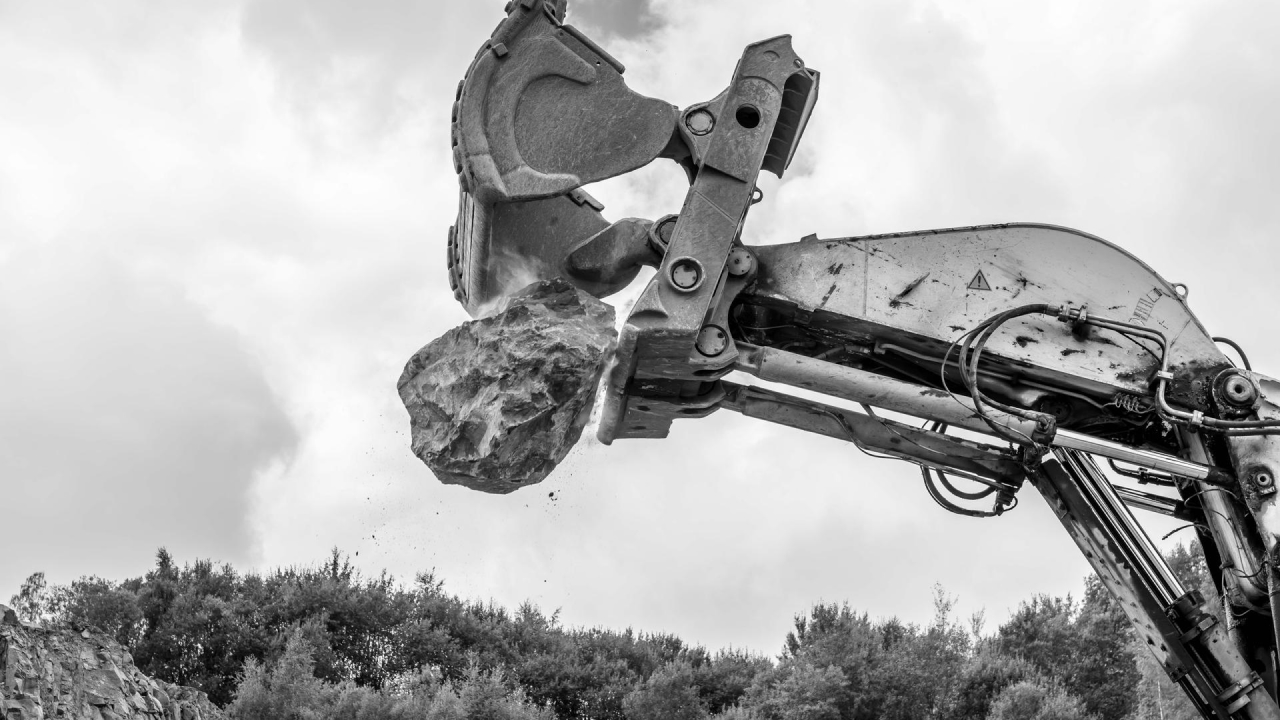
<point x="1049" y="349"/>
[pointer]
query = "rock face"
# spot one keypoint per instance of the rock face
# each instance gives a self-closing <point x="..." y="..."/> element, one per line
<point x="496" y="403"/>
<point x="60" y="673"/>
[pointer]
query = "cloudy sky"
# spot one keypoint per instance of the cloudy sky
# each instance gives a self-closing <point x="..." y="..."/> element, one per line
<point x="222" y="231"/>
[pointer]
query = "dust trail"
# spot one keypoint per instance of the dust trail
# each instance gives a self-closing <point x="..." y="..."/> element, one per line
<point x="514" y="272"/>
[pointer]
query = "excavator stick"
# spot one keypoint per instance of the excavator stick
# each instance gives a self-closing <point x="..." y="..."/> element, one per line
<point x="1056" y="346"/>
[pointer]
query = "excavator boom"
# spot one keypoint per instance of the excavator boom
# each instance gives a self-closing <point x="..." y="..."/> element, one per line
<point x="1049" y="348"/>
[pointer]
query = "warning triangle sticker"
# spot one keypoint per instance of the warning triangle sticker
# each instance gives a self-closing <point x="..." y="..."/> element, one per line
<point x="979" y="282"/>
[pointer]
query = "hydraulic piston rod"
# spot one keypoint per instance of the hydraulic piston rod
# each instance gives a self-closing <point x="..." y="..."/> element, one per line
<point x="1191" y="643"/>
<point x="860" y="386"/>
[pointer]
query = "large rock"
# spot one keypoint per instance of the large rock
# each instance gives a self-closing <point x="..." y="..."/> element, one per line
<point x="61" y="673"/>
<point x="496" y="403"/>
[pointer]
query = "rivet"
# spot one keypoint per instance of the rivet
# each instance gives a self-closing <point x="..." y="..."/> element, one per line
<point x="740" y="262"/>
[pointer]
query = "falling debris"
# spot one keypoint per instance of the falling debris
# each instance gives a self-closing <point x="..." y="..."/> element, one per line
<point x="496" y="403"/>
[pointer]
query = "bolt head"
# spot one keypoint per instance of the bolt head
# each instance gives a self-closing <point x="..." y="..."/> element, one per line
<point x="712" y="340"/>
<point x="1238" y="390"/>
<point x="1264" y="483"/>
<point x="700" y="121"/>
<point x="686" y="274"/>
<point x="661" y="232"/>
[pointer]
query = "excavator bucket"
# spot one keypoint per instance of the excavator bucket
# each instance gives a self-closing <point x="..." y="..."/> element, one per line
<point x="541" y="112"/>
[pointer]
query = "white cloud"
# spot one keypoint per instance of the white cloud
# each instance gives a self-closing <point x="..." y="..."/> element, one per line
<point x="129" y="420"/>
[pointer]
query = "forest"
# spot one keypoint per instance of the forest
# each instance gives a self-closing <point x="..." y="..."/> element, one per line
<point x="326" y="643"/>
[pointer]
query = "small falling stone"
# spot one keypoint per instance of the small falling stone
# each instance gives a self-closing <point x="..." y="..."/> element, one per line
<point x="496" y="403"/>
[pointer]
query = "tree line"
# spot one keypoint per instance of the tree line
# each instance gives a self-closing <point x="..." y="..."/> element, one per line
<point x="326" y="643"/>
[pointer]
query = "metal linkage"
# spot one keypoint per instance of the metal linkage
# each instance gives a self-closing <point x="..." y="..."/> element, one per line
<point x="879" y="436"/>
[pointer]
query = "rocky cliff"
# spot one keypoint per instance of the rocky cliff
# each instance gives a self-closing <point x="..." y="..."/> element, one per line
<point x="61" y="673"/>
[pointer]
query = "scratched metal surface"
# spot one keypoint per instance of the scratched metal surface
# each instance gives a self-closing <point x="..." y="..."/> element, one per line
<point x="926" y="289"/>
